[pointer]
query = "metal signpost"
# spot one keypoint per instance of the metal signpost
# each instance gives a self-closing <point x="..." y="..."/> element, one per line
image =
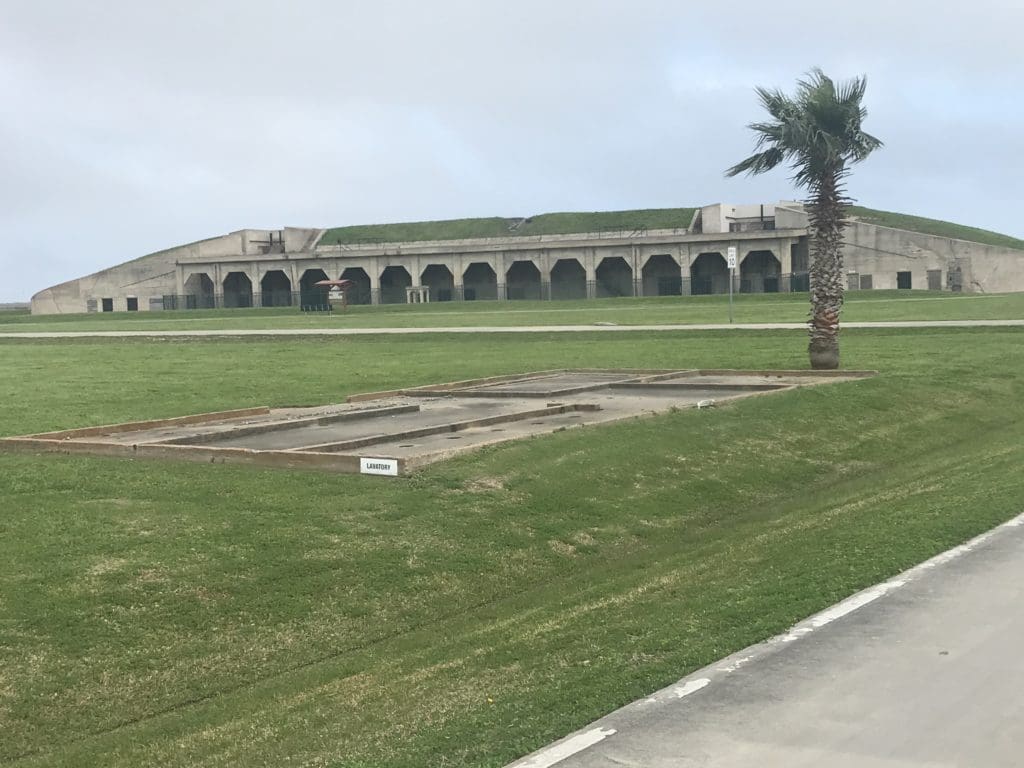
<point x="731" y="264"/>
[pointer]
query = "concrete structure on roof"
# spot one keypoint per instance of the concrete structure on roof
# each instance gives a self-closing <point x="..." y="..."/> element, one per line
<point x="273" y="268"/>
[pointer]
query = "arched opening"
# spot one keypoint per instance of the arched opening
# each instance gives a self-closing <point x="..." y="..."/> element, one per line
<point x="661" y="276"/>
<point x="439" y="279"/>
<point x="361" y="290"/>
<point x="568" y="280"/>
<point x="393" y="282"/>
<point x="614" y="277"/>
<point x="311" y="298"/>
<point x="275" y="289"/>
<point x="709" y="274"/>
<point x="237" y="290"/>
<point x="479" y="282"/>
<point x="759" y="273"/>
<point x="199" y="291"/>
<point x="522" y="281"/>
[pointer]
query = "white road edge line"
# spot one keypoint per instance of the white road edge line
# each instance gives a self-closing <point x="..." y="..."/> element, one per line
<point x="568" y="747"/>
<point x="702" y="678"/>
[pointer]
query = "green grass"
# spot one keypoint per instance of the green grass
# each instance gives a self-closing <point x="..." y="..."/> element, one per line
<point x="935" y="227"/>
<point x="748" y="308"/>
<point x="543" y="224"/>
<point x="178" y="615"/>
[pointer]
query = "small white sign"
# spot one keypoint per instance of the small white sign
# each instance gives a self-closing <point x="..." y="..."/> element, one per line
<point x="730" y="259"/>
<point x="378" y="466"/>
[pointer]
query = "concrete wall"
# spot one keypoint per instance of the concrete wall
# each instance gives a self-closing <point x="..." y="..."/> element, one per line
<point x="717" y="218"/>
<point x="882" y="252"/>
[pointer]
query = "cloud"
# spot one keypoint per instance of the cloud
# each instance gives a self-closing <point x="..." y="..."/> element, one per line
<point x="132" y="127"/>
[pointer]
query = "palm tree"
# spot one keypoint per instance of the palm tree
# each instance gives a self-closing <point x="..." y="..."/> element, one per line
<point x="818" y="132"/>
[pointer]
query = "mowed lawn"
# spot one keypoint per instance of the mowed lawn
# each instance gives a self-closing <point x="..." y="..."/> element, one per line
<point x="183" y="615"/>
<point x="747" y="308"/>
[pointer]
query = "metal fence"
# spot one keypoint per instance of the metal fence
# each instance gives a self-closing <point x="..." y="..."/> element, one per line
<point x="537" y="290"/>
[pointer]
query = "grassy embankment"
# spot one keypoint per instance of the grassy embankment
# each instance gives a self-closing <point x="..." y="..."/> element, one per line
<point x="173" y="614"/>
<point x="935" y="227"/>
<point x="766" y="308"/>
<point x="496" y="226"/>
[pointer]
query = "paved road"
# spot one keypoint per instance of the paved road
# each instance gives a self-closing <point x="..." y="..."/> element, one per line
<point x="504" y="329"/>
<point x="926" y="670"/>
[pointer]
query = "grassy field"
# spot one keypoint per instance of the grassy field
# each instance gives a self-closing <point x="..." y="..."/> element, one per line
<point x="182" y="615"/>
<point x="748" y="308"/>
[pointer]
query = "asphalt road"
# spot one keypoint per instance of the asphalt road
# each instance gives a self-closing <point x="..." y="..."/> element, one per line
<point x="925" y="670"/>
<point x="505" y="329"/>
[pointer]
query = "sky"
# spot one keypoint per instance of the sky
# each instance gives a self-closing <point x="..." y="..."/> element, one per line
<point x="129" y="127"/>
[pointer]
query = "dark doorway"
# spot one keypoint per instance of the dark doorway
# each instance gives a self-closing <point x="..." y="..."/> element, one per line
<point x="133" y="304"/>
<point x="709" y="274"/>
<point x="107" y="305"/>
<point x="275" y="289"/>
<point x="661" y="276"/>
<point x="568" y="280"/>
<point x="361" y="290"/>
<point x="759" y="273"/>
<point x="312" y="298"/>
<point x="522" y="281"/>
<point x="237" y="290"/>
<point x="614" y="278"/>
<point x="903" y="281"/>
<point x="440" y="280"/>
<point x="479" y="282"/>
<point x="199" y="291"/>
<point x="393" y="282"/>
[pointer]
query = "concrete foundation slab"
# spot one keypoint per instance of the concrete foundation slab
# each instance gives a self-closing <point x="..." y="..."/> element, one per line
<point x="391" y="433"/>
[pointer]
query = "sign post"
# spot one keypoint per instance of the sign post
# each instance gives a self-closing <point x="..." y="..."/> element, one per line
<point x="731" y="264"/>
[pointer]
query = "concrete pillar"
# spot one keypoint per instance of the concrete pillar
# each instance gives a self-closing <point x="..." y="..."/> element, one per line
<point x="683" y="257"/>
<point x="591" y="270"/>
<point x="458" y="288"/>
<point x="373" y="270"/>
<point x="218" y="285"/>
<point x="785" y="256"/>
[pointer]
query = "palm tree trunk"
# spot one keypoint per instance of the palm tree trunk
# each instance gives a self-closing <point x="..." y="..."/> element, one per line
<point x="826" y="210"/>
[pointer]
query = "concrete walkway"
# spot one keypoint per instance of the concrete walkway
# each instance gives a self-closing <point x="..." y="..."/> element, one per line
<point x="924" y="670"/>
<point x="504" y="329"/>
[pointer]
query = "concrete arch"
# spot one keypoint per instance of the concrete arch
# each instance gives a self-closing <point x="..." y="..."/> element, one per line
<point x="393" y="282"/>
<point x="237" y="290"/>
<point x="709" y="273"/>
<point x="614" y="277"/>
<point x="759" y="272"/>
<point x="522" y="281"/>
<point x="199" y="291"/>
<point x="440" y="280"/>
<point x="568" y="280"/>
<point x="275" y="289"/>
<point x="362" y="290"/>
<point x="480" y="282"/>
<point x="661" y="276"/>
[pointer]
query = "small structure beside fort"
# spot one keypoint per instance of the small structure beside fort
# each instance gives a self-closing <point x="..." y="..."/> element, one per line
<point x="670" y="252"/>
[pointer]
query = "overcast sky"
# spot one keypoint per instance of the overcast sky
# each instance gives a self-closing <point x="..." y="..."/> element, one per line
<point x="130" y="127"/>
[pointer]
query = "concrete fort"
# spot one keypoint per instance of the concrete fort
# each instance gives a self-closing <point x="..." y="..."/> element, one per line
<point x="274" y="268"/>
